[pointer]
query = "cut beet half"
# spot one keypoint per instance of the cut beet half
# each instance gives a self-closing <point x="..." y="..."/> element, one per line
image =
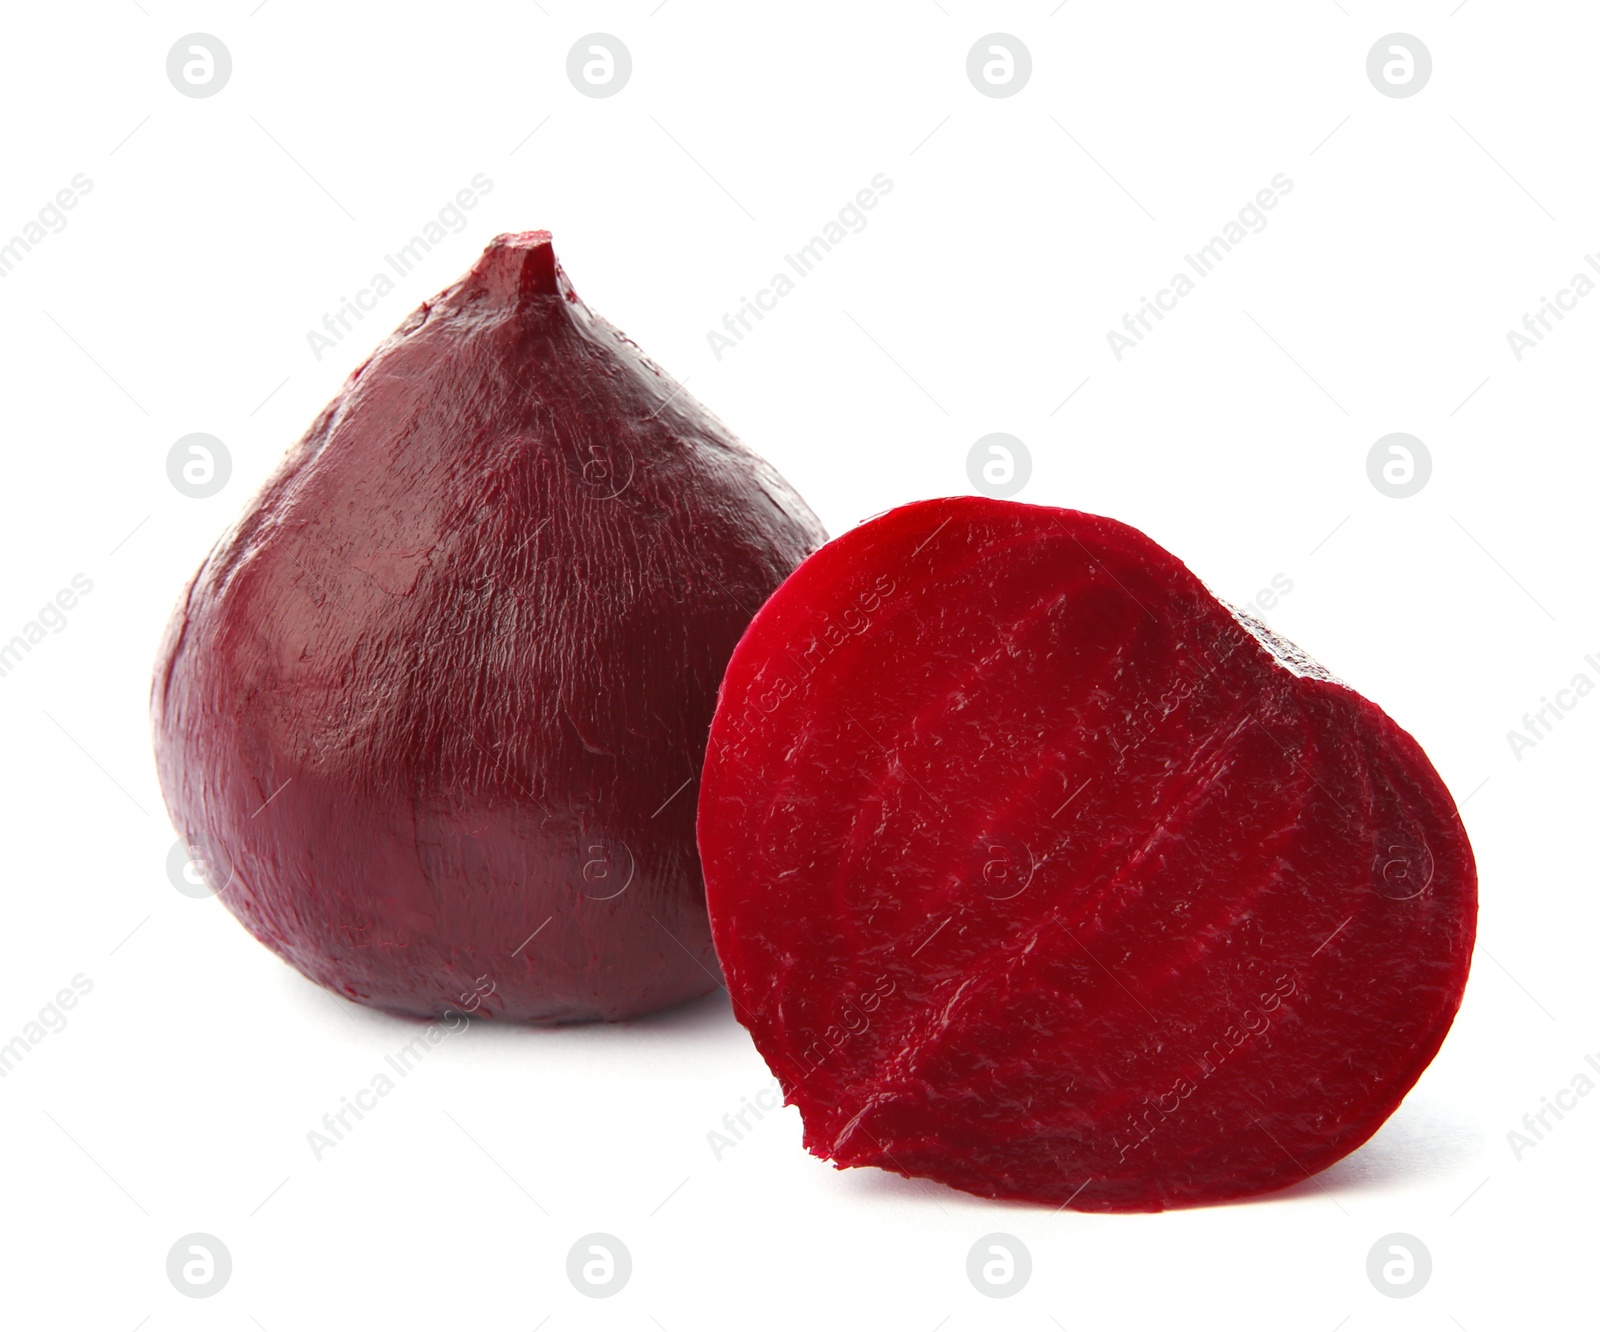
<point x="1036" y="870"/>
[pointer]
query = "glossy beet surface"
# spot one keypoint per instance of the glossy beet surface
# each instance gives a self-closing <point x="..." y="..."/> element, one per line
<point x="435" y="708"/>
<point x="1036" y="871"/>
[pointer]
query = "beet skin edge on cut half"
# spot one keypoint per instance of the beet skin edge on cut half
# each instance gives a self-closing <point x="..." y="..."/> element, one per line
<point x="1036" y="870"/>
<point x="432" y="711"/>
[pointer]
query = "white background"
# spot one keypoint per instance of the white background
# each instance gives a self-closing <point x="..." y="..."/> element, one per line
<point x="1019" y="230"/>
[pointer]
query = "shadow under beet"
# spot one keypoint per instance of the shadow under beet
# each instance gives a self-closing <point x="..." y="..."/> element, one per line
<point x="1425" y="1141"/>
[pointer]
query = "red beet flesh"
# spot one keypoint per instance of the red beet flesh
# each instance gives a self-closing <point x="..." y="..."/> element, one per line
<point x="434" y="707"/>
<point x="1034" y="870"/>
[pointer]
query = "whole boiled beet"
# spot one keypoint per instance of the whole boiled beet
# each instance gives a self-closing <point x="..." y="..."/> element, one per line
<point x="432" y="709"/>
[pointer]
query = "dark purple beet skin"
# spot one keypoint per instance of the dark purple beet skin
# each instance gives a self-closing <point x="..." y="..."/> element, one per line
<point x="440" y="698"/>
<point x="1036" y="870"/>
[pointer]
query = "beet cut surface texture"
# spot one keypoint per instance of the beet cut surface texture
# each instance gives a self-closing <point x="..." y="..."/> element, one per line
<point x="432" y="711"/>
<point x="1035" y="871"/>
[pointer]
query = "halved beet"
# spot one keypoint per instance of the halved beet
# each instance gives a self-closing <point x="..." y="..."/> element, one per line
<point x="1035" y="869"/>
<point x="431" y="710"/>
